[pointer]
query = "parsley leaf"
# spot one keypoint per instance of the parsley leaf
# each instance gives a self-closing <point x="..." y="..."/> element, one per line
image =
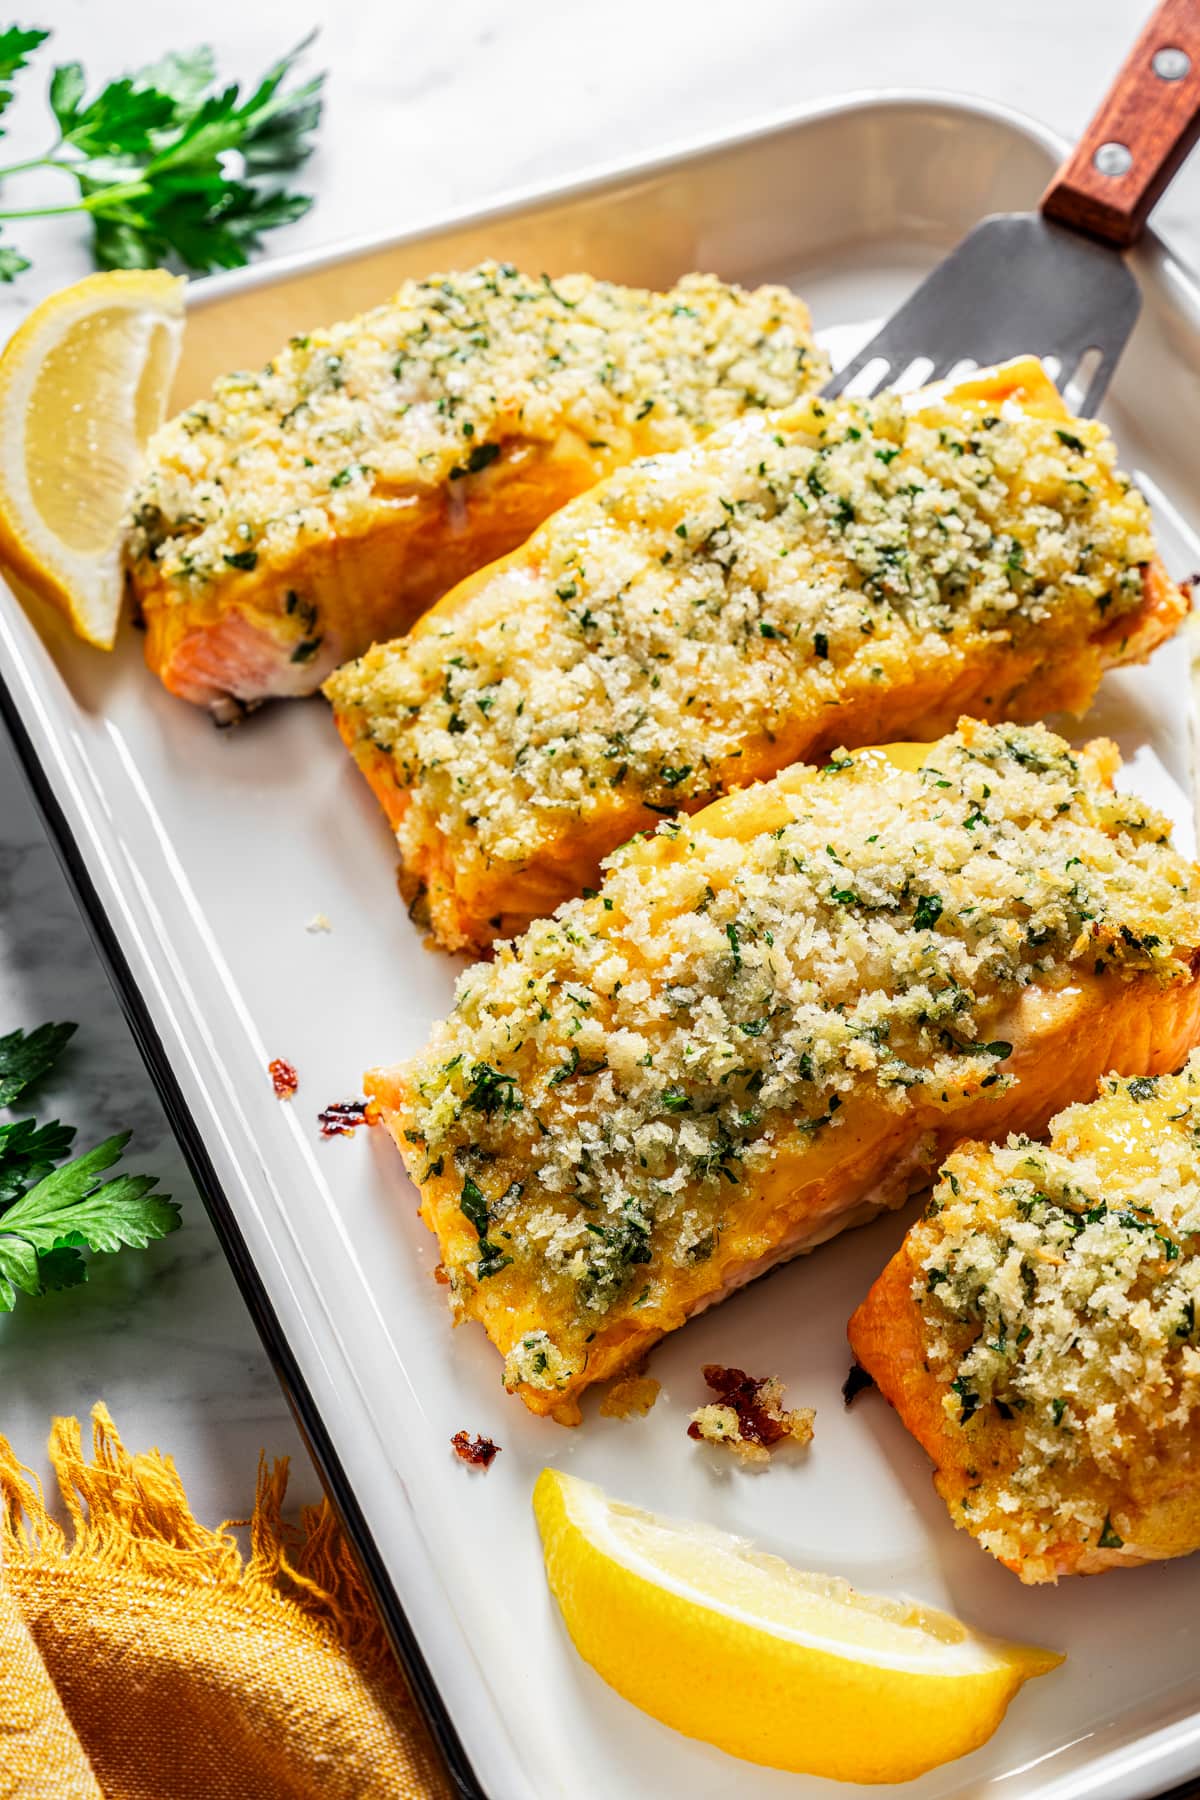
<point x="72" y="1205"/>
<point x="171" y="163"/>
<point x="61" y="1268"/>
<point x="18" y="1270"/>
<point x="121" y="122"/>
<point x="929" y="911"/>
<point x="75" y="1208"/>
<point x="492" y="1091"/>
<point x="279" y="137"/>
<point x="25" y="1056"/>
<point x="481" y="457"/>
<point x="15" y="45"/>
<point x="49" y="1214"/>
<point x="1110" y="1539"/>
<point x="474" y="1204"/>
<point x="183" y="74"/>
<point x="28" y="1151"/>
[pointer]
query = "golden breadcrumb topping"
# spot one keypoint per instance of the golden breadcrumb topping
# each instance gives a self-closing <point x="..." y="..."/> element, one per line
<point x="694" y="605"/>
<point x="1059" y="1286"/>
<point x="609" y="1084"/>
<point x="428" y="387"/>
<point x="632" y="1396"/>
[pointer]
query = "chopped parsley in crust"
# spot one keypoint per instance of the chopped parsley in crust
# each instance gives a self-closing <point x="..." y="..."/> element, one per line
<point x="801" y="985"/>
<point x="425" y="389"/>
<point x="1057" y="1287"/>
<point x="702" y="619"/>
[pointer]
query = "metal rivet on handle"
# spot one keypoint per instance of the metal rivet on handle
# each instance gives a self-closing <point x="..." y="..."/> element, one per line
<point x="1113" y="159"/>
<point x="1171" y="64"/>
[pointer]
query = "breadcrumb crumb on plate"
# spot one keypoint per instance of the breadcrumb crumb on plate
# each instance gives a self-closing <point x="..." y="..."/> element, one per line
<point x="749" y="1418"/>
<point x="630" y="1398"/>
<point x="477" y="1452"/>
<point x="284" y="1078"/>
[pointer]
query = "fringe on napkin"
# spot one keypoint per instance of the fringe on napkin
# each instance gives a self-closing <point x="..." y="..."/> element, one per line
<point x="281" y="1653"/>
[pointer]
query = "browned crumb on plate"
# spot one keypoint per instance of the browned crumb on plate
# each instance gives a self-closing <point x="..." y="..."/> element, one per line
<point x="749" y="1416"/>
<point x="856" y="1383"/>
<point x="284" y="1078"/>
<point x="479" y="1451"/>
<point x="341" y="1118"/>
<point x="633" y="1394"/>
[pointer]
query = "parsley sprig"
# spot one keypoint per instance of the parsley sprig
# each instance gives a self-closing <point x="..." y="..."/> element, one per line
<point x="49" y="1214"/>
<point x="170" y="163"/>
<point x="26" y="1055"/>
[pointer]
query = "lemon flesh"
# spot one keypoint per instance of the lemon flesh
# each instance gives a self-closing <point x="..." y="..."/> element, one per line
<point x="83" y="385"/>
<point x="738" y="1648"/>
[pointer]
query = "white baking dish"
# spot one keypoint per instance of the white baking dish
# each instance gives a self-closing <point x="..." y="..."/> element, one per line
<point x="199" y="857"/>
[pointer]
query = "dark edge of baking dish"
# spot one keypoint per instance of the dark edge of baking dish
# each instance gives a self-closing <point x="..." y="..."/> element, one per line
<point x="191" y="1141"/>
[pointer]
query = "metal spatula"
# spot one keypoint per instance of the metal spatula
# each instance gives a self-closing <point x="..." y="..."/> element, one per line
<point x="1053" y="283"/>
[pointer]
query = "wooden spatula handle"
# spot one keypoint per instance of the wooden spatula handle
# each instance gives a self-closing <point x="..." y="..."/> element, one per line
<point x="1149" y="121"/>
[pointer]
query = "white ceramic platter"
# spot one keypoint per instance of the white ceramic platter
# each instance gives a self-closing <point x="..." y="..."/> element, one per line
<point x="199" y="857"/>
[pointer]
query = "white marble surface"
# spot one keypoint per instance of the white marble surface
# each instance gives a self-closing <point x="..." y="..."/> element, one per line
<point x="430" y="105"/>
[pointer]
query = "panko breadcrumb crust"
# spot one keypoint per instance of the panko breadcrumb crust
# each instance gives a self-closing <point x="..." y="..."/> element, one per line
<point x="768" y="1023"/>
<point x="1038" y="1333"/>
<point x="305" y="509"/>
<point x="845" y="573"/>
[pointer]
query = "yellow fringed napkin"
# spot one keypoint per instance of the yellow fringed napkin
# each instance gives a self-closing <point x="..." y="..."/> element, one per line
<point x="145" y="1659"/>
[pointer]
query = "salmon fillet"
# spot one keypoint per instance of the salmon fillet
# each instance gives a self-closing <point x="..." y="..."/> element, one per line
<point x="1037" y="1332"/>
<point x="773" y="1019"/>
<point x="849" y="572"/>
<point x="306" y="509"/>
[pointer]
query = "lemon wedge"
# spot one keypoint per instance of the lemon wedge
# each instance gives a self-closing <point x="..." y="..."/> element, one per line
<point x="738" y="1648"/>
<point x="83" y="384"/>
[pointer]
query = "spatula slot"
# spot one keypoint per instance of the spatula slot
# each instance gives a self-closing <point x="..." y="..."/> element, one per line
<point x="1079" y="382"/>
<point x="865" y="381"/>
<point x="914" y="374"/>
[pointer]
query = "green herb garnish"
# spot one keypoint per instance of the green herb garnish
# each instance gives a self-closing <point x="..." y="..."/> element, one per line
<point x="74" y="1209"/>
<point x="481" y="455"/>
<point x="153" y="156"/>
<point x="929" y="911"/>
<point x="492" y="1091"/>
<point x="968" y="1400"/>
<point x="49" y="1214"/>
<point x="1109" y="1539"/>
<point x="24" y="1056"/>
<point x="474" y="1204"/>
